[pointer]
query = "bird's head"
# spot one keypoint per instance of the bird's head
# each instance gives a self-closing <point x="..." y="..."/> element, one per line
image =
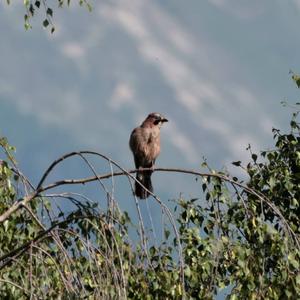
<point x="155" y="119"/>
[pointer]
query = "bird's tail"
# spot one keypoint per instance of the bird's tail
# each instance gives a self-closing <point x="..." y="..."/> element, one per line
<point x="145" y="179"/>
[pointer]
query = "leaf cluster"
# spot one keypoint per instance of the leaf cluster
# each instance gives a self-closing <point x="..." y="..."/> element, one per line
<point x="32" y="7"/>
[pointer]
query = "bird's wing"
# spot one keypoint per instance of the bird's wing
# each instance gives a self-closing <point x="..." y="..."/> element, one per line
<point x="138" y="140"/>
<point x="139" y="146"/>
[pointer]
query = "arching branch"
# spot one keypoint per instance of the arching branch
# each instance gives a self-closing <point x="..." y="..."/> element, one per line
<point x="40" y="188"/>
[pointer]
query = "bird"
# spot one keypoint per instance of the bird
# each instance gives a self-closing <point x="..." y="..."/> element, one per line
<point x="144" y="143"/>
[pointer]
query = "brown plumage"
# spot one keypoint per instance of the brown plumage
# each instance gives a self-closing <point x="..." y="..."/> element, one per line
<point x="145" y="145"/>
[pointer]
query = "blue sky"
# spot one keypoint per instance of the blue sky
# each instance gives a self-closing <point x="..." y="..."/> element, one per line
<point x="217" y="69"/>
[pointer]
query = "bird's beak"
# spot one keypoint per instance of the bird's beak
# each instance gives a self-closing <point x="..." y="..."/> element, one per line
<point x="164" y="120"/>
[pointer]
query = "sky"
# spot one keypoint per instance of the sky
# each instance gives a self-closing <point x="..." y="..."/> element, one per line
<point x="217" y="69"/>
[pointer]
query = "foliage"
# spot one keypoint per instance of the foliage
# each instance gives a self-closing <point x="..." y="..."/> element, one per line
<point x="33" y="6"/>
<point x="239" y="239"/>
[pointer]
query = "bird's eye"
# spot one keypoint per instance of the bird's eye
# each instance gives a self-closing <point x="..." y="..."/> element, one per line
<point x="156" y="122"/>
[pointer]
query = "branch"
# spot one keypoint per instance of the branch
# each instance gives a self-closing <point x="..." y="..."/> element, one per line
<point x="23" y="201"/>
<point x="40" y="189"/>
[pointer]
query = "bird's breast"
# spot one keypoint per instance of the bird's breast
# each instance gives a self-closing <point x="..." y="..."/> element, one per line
<point x="145" y="144"/>
<point x="153" y="145"/>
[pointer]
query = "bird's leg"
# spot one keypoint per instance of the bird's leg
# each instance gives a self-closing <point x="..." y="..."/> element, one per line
<point x="140" y="174"/>
<point x="152" y="165"/>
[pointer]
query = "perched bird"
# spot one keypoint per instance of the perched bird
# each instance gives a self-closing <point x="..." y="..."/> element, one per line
<point x="145" y="145"/>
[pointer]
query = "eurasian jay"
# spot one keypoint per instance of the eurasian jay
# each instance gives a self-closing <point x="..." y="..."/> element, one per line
<point x="145" y="145"/>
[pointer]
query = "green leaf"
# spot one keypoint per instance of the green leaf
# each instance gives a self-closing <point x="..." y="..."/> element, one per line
<point x="237" y="163"/>
<point x="254" y="157"/>
<point x="89" y="7"/>
<point x="49" y="12"/>
<point x="293" y="261"/>
<point x="296" y="78"/>
<point x="31" y="9"/>
<point x="45" y="23"/>
<point x="167" y="233"/>
<point x="187" y="271"/>
<point x="272" y="182"/>
<point x="5" y="224"/>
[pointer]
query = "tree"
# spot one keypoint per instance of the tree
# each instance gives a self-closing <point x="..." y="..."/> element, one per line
<point x="239" y="238"/>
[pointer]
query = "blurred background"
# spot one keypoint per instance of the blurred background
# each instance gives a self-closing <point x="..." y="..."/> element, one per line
<point x="217" y="69"/>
